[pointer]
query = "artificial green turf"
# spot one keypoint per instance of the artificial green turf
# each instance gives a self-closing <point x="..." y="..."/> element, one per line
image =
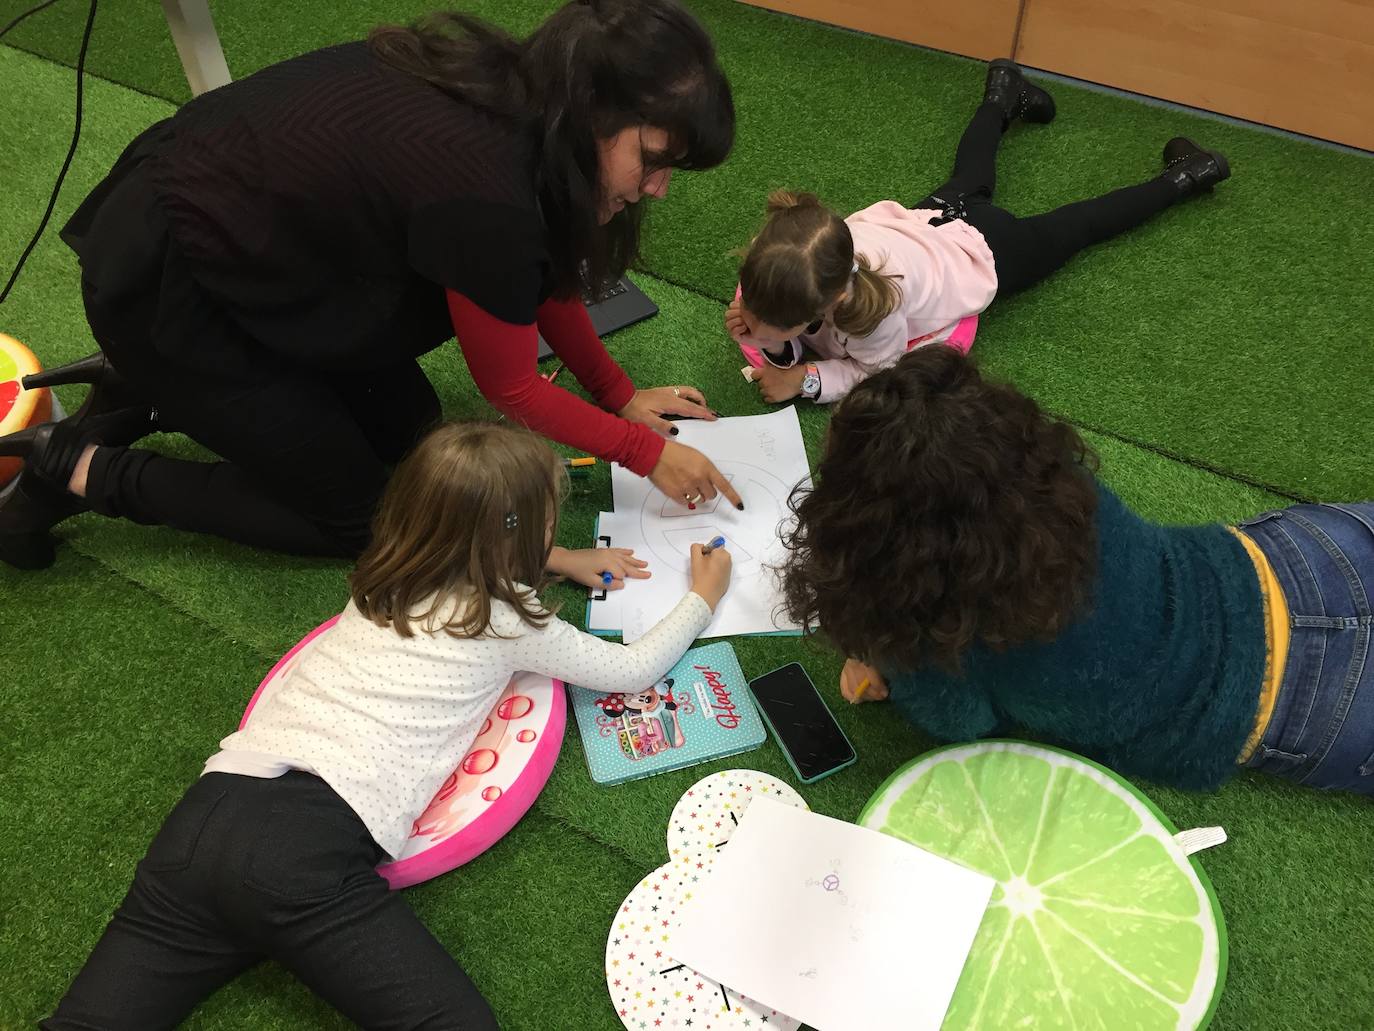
<point x="127" y="662"/>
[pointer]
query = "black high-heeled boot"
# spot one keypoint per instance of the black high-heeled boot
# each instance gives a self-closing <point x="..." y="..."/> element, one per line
<point x="1015" y="95"/>
<point x="39" y="500"/>
<point x="109" y="391"/>
<point x="29" y="508"/>
<point x="51" y="450"/>
<point x="1190" y="169"/>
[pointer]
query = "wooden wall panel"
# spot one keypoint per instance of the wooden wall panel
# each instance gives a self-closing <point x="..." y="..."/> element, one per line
<point x="976" y="28"/>
<point x="1307" y="66"/>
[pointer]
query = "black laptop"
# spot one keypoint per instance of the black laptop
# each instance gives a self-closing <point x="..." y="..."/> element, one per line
<point x="622" y="305"/>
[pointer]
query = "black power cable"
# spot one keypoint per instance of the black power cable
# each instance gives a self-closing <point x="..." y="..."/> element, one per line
<point x="76" y="135"/>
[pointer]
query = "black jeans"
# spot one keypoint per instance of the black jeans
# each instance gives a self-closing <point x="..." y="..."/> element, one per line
<point x="246" y="869"/>
<point x="1027" y="250"/>
<point x="305" y="453"/>
<point x="305" y="446"/>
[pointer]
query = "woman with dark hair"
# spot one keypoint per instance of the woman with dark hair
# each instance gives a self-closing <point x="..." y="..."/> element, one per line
<point x="957" y="546"/>
<point x="262" y="269"/>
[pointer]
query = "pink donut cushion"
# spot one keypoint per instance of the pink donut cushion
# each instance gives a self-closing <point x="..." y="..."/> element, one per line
<point x="494" y="785"/>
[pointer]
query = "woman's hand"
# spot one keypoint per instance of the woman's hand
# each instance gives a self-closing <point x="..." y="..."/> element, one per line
<point x="586" y="565"/>
<point x="649" y="406"/>
<point x="778" y="385"/>
<point x="684" y="474"/>
<point x="734" y="322"/>
<point x="710" y="574"/>
<point x="854" y="674"/>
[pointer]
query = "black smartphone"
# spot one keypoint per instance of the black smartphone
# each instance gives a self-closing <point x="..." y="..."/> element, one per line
<point x="813" y="742"/>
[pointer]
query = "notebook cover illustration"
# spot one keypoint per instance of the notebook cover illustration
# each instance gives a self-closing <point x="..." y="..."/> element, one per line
<point x="701" y="710"/>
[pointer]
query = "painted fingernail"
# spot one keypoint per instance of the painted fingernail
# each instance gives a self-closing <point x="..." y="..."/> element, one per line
<point x="673" y="430"/>
<point x="716" y="414"/>
<point x="691" y="507"/>
<point x="740" y="505"/>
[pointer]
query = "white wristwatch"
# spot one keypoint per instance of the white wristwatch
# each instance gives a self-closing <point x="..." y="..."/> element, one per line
<point x="811" y="384"/>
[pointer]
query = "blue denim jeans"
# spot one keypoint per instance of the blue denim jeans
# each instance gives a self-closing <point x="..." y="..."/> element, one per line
<point x="1322" y="730"/>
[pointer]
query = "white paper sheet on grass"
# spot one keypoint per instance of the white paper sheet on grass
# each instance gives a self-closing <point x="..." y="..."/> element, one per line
<point x="835" y="925"/>
<point x="764" y="458"/>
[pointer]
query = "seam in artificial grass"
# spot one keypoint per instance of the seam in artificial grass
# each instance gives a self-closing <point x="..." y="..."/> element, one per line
<point x="1153" y="449"/>
<point x="582" y="832"/>
<point x="46" y="59"/>
<point x="1192" y="463"/>
<point x="181" y="610"/>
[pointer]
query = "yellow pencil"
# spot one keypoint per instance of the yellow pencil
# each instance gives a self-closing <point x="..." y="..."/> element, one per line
<point x="859" y="691"/>
<point x="578" y="463"/>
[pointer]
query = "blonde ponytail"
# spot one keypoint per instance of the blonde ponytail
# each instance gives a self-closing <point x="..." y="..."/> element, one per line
<point x="872" y="298"/>
<point x="788" y="200"/>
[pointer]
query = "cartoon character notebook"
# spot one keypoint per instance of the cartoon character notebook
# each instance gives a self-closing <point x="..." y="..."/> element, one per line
<point x="701" y="710"/>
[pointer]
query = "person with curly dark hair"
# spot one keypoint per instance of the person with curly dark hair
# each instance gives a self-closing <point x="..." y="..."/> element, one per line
<point x="262" y="269"/>
<point x="957" y="546"/>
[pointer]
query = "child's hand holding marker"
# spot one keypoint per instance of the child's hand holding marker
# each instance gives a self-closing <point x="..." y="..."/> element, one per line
<point x="711" y="571"/>
<point x="598" y="567"/>
<point x="860" y="682"/>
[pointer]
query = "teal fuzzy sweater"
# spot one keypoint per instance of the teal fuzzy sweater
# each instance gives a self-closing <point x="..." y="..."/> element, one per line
<point x="1159" y="677"/>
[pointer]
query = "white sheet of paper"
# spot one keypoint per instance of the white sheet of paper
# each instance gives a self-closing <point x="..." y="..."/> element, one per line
<point x="836" y="925"/>
<point x="764" y="458"/>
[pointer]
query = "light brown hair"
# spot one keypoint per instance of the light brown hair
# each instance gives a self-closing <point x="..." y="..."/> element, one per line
<point x="466" y="518"/>
<point x="802" y="259"/>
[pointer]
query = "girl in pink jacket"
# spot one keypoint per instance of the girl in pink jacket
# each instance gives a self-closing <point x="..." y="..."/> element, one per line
<point x="859" y="292"/>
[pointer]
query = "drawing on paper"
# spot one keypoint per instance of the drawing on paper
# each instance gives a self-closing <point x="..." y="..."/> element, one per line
<point x="672" y="509"/>
<point x="760" y="490"/>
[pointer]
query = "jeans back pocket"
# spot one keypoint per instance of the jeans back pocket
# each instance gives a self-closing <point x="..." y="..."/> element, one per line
<point x="174" y="846"/>
<point x="303" y="854"/>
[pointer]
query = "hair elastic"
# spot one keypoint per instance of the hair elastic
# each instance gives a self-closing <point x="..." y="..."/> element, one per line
<point x="855" y="270"/>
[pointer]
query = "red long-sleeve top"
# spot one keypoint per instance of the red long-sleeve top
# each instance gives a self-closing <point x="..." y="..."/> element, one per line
<point x="503" y="359"/>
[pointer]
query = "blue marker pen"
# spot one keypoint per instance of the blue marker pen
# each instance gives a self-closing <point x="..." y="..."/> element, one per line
<point x="607" y="579"/>
<point x="706" y="549"/>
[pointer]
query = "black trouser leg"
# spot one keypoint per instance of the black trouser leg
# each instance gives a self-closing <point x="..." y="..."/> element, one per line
<point x="393" y="407"/>
<point x="975" y="160"/>
<point x="305" y="451"/>
<point x="245" y="868"/>
<point x="368" y="955"/>
<point x="164" y="949"/>
<point x="1027" y="250"/>
<point x="317" y="905"/>
<point x="305" y="459"/>
<point x="299" y="475"/>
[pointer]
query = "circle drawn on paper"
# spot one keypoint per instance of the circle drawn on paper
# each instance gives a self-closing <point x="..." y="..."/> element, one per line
<point x="670" y="528"/>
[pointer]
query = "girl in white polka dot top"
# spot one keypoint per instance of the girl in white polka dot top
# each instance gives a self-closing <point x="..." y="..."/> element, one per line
<point x="273" y="851"/>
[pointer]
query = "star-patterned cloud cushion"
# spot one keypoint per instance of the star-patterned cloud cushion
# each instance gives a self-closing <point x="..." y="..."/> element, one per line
<point x="649" y="989"/>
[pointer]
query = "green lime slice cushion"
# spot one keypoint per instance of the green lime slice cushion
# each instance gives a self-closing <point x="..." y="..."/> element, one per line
<point x="1099" y="919"/>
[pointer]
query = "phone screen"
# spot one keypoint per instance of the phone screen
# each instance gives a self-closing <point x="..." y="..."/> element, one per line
<point x="801" y="721"/>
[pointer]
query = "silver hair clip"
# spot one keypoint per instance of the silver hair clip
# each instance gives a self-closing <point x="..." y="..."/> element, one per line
<point x="855" y="270"/>
<point x="512" y="520"/>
